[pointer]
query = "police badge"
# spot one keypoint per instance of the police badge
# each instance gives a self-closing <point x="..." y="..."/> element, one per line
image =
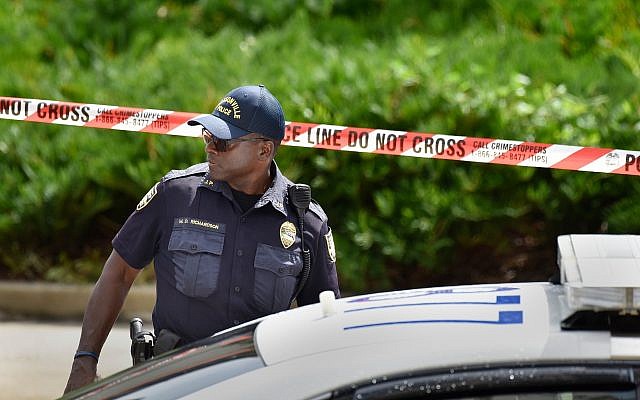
<point x="287" y="234"/>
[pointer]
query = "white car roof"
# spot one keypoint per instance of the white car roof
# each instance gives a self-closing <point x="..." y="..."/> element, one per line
<point x="372" y="337"/>
<point x="483" y="323"/>
<point x="461" y="324"/>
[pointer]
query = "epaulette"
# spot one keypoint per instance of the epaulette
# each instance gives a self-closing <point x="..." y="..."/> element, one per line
<point x="315" y="208"/>
<point x="197" y="169"/>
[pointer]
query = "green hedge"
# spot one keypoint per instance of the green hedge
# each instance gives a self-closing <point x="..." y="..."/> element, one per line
<point x="545" y="71"/>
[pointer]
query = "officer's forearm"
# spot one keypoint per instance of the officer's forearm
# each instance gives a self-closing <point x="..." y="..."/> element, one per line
<point x="105" y="303"/>
<point x="102" y="310"/>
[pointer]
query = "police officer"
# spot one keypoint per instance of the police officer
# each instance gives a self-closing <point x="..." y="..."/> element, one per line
<point x="222" y="235"/>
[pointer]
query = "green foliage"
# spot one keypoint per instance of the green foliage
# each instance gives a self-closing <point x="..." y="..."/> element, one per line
<point x="550" y="71"/>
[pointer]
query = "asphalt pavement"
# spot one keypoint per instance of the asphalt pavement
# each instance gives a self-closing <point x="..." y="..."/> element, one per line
<point x="36" y="357"/>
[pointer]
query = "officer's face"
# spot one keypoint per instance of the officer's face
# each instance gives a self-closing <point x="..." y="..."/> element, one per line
<point x="240" y="161"/>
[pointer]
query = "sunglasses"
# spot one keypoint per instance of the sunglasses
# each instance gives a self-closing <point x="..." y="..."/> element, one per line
<point x="222" y="145"/>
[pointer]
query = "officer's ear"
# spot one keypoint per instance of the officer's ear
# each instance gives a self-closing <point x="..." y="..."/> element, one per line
<point x="266" y="150"/>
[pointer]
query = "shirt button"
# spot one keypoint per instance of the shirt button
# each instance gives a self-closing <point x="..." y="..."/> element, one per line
<point x="194" y="247"/>
<point x="236" y="322"/>
<point x="237" y="289"/>
<point x="243" y="219"/>
<point x="239" y="253"/>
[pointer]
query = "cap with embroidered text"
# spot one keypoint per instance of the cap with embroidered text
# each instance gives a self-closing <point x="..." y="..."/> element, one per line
<point x="244" y="110"/>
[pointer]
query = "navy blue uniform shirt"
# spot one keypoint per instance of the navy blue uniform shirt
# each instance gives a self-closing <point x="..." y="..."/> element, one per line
<point x="217" y="266"/>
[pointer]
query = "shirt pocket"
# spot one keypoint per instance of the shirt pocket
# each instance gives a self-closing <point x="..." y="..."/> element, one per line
<point x="196" y="255"/>
<point x="276" y="273"/>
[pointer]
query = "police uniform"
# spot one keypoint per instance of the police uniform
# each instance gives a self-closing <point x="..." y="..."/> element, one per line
<point x="217" y="266"/>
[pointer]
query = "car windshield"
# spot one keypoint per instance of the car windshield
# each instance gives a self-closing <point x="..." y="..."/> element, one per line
<point x="184" y="370"/>
<point x="577" y="395"/>
<point x="587" y="381"/>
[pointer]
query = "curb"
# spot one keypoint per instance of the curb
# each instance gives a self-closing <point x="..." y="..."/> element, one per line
<point x="55" y="301"/>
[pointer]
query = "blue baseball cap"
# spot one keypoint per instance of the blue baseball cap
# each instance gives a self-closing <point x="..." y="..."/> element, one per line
<point x="244" y="110"/>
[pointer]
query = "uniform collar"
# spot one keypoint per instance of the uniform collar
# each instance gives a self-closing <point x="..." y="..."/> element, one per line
<point x="275" y="194"/>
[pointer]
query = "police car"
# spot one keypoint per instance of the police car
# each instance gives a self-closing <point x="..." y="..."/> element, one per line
<point x="575" y="338"/>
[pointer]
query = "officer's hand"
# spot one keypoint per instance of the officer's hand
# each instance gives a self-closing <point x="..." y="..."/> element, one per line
<point x="83" y="372"/>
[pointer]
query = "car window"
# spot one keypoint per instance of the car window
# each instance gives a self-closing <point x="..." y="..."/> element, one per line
<point x="534" y="382"/>
<point x="182" y="371"/>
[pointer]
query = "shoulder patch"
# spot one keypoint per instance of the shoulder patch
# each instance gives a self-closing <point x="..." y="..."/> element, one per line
<point x="148" y="197"/>
<point x="331" y="248"/>
<point x="197" y="169"/>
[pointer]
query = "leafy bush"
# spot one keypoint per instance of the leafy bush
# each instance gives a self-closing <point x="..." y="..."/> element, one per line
<point x="544" y="71"/>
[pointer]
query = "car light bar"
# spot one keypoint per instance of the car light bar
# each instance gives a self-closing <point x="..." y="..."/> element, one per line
<point x="601" y="272"/>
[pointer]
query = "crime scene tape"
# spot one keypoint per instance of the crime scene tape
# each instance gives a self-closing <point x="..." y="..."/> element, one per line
<point x="341" y="138"/>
